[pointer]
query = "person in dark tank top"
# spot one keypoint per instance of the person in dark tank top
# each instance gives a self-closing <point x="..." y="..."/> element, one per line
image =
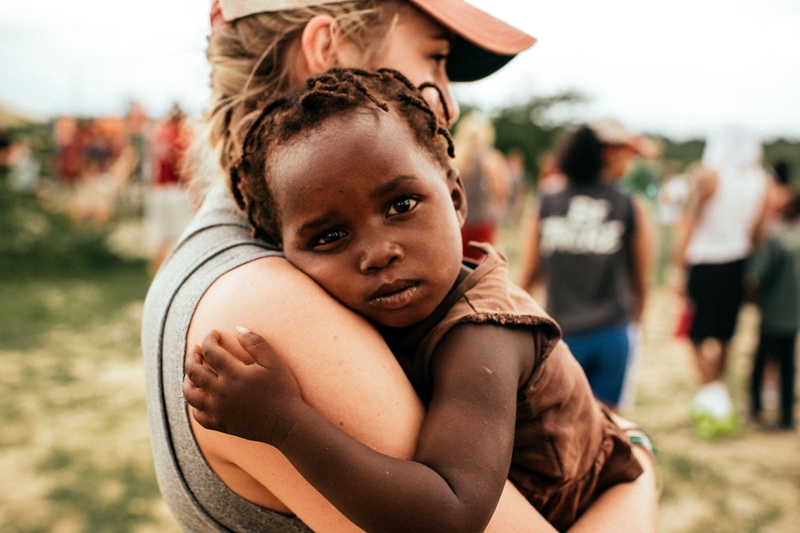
<point x="590" y="244"/>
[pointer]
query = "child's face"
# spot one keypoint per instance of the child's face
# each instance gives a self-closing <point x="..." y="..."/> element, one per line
<point x="370" y="216"/>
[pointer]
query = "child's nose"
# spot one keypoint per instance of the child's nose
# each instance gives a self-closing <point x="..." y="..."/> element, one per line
<point x="379" y="255"/>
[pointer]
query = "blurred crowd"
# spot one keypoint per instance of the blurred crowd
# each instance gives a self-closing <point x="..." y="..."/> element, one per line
<point x="93" y="169"/>
<point x="721" y="231"/>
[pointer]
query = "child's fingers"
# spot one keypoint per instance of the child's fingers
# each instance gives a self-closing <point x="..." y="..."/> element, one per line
<point x="217" y="357"/>
<point x="199" y="374"/>
<point x="197" y="398"/>
<point x="194" y="395"/>
<point x="256" y="345"/>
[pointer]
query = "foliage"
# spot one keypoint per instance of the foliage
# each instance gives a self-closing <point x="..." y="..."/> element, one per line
<point x="38" y="136"/>
<point x="678" y="155"/>
<point x="36" y="242"/>
<point x="643" y="177"/>
<point x="788" y="151"/>
<point x="529" y="128"/>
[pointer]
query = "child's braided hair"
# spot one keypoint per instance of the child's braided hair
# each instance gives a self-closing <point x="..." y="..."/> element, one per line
<point x="323" y="96"/>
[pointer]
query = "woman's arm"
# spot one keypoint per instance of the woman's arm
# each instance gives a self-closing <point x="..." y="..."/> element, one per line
<point x="530" y="254"/>
<point x="626" y="507"/>
<point x="352" y="379"/>
<point x="704" y="183"/>
<point x="344" y="369"/>
<point x="459" y="469"/>
<point x="640" y="259"/>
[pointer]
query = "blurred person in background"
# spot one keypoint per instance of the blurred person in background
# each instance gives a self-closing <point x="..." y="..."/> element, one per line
<point x="486" y="181"/>
<point x="18" y="166"/>
<point x="773" y="280"/>
<point x="672" y="195"/>
<point x="68" y="135"/>
<point x="779" y="192"/>
<point x="140" y="168"/>
<point x="591" y="244"/>
<point x="723" y="218"/>
<point x="24" y="168"/>
<point x="5" y="148"/>
<point x="219" y="276"/>
<point x="135" y="126"/>
<point x="518" y="179"/>
<point x="551" y="179"/>
<point x="168" y="209"/>
<point x="107" y="166"/>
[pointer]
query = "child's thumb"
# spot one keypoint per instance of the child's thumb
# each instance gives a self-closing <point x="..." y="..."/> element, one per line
<point x="252" y="342"/>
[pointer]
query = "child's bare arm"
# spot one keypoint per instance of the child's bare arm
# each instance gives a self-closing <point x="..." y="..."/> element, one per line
<point x="464" y="450"/>
<point x="251" y="401"/>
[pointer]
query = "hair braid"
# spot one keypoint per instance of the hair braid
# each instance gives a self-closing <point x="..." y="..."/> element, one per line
<point x="324" y="96"/>
<point x="430" y="84"/>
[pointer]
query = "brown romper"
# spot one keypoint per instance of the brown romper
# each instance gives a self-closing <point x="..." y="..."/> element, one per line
<point x="567" y="450"/>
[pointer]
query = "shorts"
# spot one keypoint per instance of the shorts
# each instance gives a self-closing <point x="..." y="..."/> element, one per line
<point x="717" y="292"/>
<point x="604" y="355"/>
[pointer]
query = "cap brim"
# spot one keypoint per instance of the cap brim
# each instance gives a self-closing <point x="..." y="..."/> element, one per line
<point x="483" y="43"/>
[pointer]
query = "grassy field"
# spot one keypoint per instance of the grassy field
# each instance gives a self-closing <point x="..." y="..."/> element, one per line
<point x="74" y="444"/>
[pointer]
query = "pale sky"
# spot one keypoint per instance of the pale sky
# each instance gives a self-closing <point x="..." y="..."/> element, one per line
<point x="679" y="68"/>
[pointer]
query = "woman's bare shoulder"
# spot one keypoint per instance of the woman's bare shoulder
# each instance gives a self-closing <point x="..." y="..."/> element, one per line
<point x="266" y="293"/>
<point x="340" y="361"/>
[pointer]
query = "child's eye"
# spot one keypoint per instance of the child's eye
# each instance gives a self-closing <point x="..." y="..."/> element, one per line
<point x="401" y="205"/>
<point x="329" y="237"/>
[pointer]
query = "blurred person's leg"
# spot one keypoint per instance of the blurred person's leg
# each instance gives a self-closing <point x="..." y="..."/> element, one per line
<point x="757" y="377"/>
<point x="787" y="380"/>
<point x="604" y="355"/>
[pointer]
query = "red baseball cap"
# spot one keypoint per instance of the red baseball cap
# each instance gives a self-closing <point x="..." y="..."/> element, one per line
<point x="482" y="43"/>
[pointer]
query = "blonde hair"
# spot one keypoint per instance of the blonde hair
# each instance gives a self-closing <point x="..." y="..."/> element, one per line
<point x="252" y="60"/>
<point x="474" y="135"/>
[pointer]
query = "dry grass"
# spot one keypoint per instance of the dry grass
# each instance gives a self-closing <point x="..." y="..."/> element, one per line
<point x="75" y="452"/>
<point x="749" y="482"/>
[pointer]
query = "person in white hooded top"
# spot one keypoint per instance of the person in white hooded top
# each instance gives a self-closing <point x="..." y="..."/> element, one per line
<point x="717" y="233"/>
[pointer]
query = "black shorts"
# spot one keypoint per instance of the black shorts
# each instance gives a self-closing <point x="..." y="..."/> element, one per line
<point x="717" y="292"/>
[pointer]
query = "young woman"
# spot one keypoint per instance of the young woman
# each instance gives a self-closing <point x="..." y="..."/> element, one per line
<point x="721" y="223"/>
<point x="591" y="242"/>
<point x="351" y="176"/>
<point x="220" y="277"/>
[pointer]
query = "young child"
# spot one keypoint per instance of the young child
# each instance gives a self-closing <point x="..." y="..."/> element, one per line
<point x="351" y="177"/>
<point x="774" y="276"/>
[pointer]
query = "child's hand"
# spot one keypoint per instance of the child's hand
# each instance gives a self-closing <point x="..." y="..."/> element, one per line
<point x="258" y="402"/>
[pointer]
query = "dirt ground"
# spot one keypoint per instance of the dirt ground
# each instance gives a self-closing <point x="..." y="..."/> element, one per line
<point x="75" y="453"/>
<point x="749" y="482"/>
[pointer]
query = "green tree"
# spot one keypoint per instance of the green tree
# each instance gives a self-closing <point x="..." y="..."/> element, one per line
<point x="529" y="127"/>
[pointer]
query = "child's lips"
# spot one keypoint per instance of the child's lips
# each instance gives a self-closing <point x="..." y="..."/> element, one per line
<point x="394" y="295"/>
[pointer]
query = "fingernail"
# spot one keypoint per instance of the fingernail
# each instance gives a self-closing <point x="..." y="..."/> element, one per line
<point x="242" y="330"/>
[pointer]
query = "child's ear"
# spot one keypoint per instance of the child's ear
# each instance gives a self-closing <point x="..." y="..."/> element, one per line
<point x="457" y="194"/>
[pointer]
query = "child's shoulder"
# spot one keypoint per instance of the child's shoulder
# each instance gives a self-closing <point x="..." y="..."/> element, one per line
<point x="488" y="290"/>
<point x="487" y="296"/>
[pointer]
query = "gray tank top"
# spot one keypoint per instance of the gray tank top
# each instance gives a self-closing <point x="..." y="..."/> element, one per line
<point x="217" y="240"/>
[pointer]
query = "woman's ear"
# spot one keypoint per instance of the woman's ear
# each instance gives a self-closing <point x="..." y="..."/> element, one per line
<point x="316" y="44"/>
<point x="458" y="195"/>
